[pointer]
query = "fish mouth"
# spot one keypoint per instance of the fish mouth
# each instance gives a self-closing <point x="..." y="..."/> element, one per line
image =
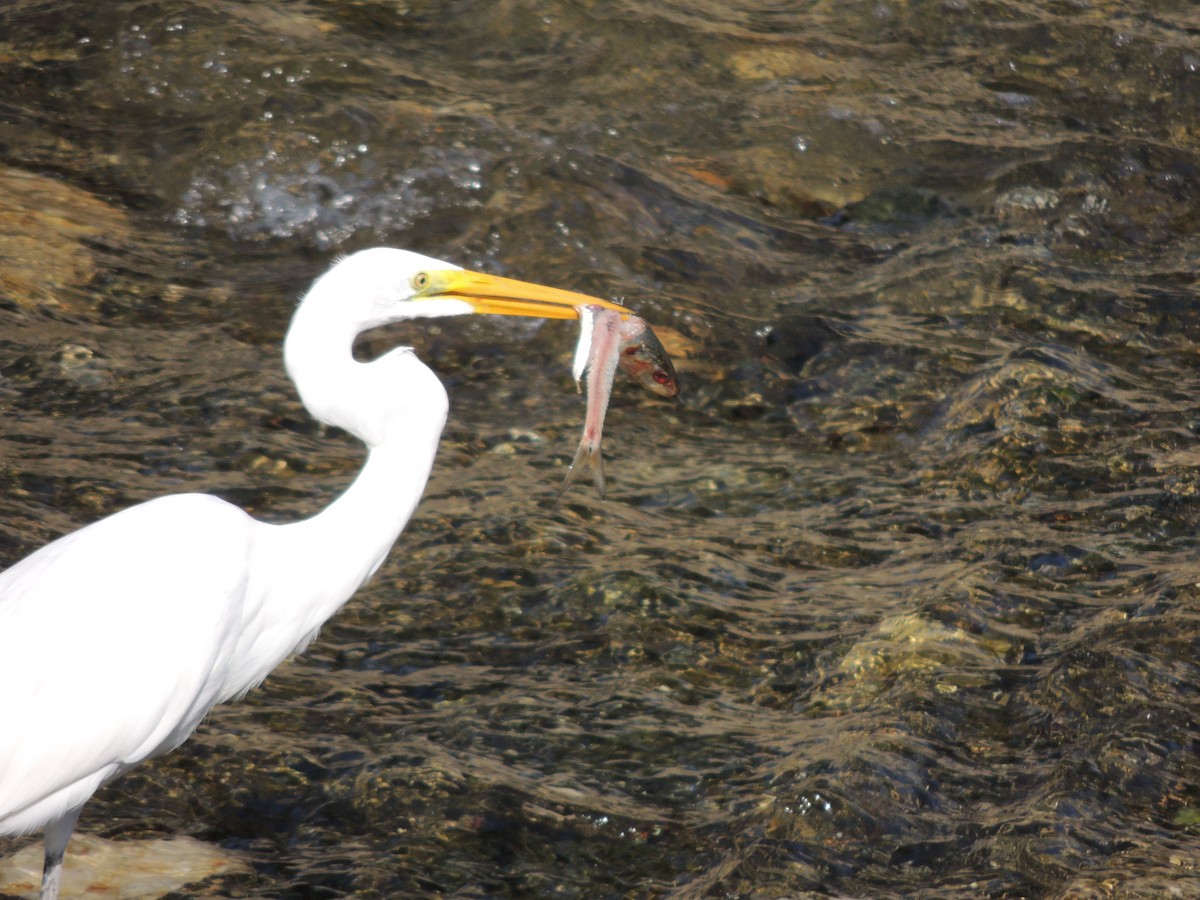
<point x="495" y="295"/>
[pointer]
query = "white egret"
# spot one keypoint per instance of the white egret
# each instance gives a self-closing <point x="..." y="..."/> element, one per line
<point x="117" y="639"/>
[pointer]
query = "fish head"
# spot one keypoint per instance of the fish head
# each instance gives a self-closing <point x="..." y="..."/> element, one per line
<point x="643" y="358"/>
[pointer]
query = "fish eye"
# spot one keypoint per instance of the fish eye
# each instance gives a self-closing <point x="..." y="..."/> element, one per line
<point x="631" y="351"/>
<point x="420" y="281"/>
<point x="662" y="377"/>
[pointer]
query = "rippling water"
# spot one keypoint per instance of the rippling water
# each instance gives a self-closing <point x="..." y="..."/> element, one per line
<point x="899" y="599"/>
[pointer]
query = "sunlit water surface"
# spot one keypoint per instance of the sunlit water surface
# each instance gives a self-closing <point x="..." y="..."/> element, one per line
<point x="898" y="599"/>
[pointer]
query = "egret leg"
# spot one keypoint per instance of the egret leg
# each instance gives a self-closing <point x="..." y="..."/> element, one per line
<point x="58" y="835"/>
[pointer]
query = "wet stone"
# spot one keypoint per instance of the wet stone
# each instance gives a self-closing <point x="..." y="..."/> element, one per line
<point x="48" y="230"/>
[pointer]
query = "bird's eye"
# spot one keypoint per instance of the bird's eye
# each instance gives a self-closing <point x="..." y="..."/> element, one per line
<point x="420" y="281"/>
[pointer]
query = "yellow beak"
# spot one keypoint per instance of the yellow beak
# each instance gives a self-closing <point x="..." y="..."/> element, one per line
<point x="493" y="295"/>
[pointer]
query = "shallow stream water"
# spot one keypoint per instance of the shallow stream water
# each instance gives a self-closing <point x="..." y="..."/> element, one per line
<point x="899" y="599"/>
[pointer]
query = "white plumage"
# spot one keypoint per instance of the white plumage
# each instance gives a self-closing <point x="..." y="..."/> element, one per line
<point x="117" y="639"/>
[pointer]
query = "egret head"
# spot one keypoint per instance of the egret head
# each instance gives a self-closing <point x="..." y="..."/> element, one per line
<point x="372" y="288"/>
<point x="385" y="285"/>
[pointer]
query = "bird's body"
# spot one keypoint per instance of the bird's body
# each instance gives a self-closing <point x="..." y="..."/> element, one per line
<point x="117" y="639"/>
<point x="58" y="682"/>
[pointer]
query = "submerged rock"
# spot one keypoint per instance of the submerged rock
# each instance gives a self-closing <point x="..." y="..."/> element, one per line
<point x="132" y="870"/>
<point x="45" y="230"/>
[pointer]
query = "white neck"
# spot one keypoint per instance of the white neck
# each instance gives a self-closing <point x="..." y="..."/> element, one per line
<point x="318" y="355"/>
<point x="305" y="571"/>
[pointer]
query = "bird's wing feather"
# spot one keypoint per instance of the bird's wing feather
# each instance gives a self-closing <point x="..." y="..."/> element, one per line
<point x="111" y="639"/>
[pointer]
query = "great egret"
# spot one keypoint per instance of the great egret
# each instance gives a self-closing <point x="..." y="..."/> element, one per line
<point x="117" y="639"/>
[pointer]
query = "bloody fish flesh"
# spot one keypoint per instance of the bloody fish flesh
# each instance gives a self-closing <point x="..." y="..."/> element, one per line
<point x="644" y="358"/>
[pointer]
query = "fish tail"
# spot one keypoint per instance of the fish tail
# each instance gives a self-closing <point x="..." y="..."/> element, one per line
<point x="597" y="460"/>
<point x="573" y="471"/>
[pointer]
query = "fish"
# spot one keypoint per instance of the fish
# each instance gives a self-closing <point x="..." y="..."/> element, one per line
<point x="608" y="342"/>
